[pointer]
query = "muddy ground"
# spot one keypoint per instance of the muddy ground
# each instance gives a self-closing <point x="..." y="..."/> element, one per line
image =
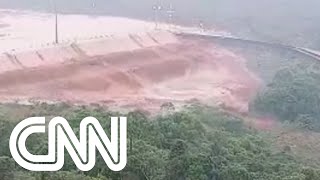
<point x="187" y="69"/>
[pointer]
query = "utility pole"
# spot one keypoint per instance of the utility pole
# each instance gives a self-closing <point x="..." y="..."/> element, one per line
<point x="156" y="8"/>
<point x="170" y="13"/>
<point x="56" y="22"/>
<point x="93" y="4"/>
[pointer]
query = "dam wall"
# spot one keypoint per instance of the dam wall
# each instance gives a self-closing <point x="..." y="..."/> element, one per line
<point x="68" y="53"/>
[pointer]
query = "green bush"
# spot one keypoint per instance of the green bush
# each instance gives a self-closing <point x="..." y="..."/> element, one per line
<point x="294" y="95"/>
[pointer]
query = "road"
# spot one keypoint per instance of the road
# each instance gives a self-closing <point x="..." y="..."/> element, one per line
<point x="308" y="52"/>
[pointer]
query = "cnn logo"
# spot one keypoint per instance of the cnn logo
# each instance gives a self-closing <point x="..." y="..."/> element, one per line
<point x="61" y="137"/>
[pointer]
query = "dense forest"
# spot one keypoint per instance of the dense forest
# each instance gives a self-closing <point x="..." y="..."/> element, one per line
<point x="194" y="143"/>
<point x="293" y="96"/>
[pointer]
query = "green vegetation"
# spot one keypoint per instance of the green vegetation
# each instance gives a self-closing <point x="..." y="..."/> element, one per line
<point x="294" y="96"/>
<point x="195" y="143"/>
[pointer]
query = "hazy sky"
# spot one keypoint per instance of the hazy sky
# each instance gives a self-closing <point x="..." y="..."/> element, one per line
<point x="291" y="21"/>
<point x="205" y="8"/>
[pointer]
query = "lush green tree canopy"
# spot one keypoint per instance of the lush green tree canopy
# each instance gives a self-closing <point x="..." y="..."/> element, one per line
<point x="192" y="144"/>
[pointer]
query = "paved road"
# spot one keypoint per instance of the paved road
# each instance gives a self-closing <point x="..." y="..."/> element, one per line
<point x="308" y="52"/>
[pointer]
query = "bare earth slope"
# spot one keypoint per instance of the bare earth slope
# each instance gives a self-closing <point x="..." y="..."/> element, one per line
<point x="167" y="69"/>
